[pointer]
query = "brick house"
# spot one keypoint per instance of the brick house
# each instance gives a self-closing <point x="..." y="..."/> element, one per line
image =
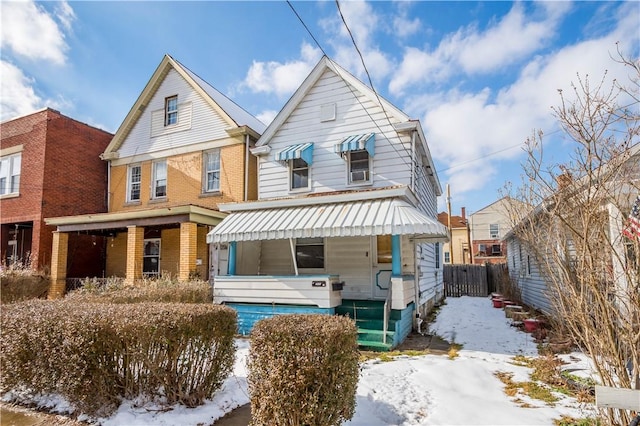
<point x="33" y="186"/>
<point x="182" y="149"/>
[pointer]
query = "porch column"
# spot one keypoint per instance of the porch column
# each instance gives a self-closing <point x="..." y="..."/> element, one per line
<point x="135" y="248"/>
<point x="232" y="258"/>
<point x="396" y="261"/>
<point x="59" y="252"/>
<point x="188" y="249"/>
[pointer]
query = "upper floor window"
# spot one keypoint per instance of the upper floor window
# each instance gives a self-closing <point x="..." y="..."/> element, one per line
<point x="494" y="231"/>
<point x="447" y="257"/>
<point x="134" y="182"/>
<point x="159" y="181"/>
<point x="299" y="174"/>
<point x="437" y="255"/>
<point x="359" y="166"/>
<point x="212" y="171"/>
<point x="10" y="174"/>
<point x="171" y="110"/>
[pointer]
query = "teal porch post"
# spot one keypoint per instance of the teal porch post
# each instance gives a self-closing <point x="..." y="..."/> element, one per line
<point x="232" y="258"/>
<point x="396" y="262"/>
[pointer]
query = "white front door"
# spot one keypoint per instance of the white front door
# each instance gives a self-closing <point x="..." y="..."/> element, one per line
<point x="219" y="259"/>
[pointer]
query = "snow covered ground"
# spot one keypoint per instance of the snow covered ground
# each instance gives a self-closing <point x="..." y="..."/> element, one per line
<point x="420" y="390"/>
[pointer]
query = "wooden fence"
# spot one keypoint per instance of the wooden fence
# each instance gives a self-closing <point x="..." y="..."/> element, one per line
<point x="472" y="280"/>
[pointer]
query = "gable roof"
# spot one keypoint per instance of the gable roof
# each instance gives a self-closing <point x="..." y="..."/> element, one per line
<point x="325" y="64"/>
<point x="456" y="221"/>
<point x="406" y="123"/>
<point x="228" y="110"/>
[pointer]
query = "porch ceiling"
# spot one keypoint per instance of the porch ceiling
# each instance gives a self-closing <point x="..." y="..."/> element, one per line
<point x="387" y="216"/>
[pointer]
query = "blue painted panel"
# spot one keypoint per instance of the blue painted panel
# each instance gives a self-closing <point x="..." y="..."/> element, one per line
<point x="357" y="142"/>
<point x="404" y="325"/>
<point x="249" y="314"/>
<point x="302" y="150"/>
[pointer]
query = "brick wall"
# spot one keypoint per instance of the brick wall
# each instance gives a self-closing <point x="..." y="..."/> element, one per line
<point x="184" y="181"/>
<point x="61" y="174"/>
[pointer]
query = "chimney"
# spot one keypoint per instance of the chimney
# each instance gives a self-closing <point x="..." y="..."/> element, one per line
<point x="463" y="210"/>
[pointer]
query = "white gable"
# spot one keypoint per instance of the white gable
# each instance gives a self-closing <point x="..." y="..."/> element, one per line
<point x="198" y="122"/>
<point x="330" y="110"/>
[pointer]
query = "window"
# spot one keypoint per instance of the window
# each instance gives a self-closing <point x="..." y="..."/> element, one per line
<point x="10" y="174"/>
<point x="159" y="182"/>
<point x="151" y="257"/>
<point x="310" y="253"/>
<point x="299" y="174"/>
<point x="437" y="255"/>
<point x="359" y="166"/>
<point x="212" y="171"/>
<point x="528" y="265"/>
<point x="482" y="248"/>
<point x="383" y="246"/>
<point x="447" y="257"/>
<point x="133" y="193"/>
<point x="494" y="231"/>
<point x="171" y="110"/>
<point x="496" y="249"/>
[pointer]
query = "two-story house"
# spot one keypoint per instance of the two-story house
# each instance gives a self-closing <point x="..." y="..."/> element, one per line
<point x="345" y="220"/>
<point x="457" y="250"/>
<point x="182" y="149"/>
<point x="488" y="226"/>
<point x="49" y="166"/>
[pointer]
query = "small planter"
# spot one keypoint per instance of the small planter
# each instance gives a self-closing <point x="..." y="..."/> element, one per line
<point x="509" y="310"/>
<point x="531" y="325"/>
<point x="496" y="296"/>
<point x="506" y="303"/>
<point x="519" y="316"/>
<point x="497" y="302"/>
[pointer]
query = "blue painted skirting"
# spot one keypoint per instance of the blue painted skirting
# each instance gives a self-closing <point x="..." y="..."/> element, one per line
<point x="404" y="323"/>
<point x="249" y="314"/>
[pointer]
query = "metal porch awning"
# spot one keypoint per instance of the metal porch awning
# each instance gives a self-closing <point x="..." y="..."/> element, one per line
<point x="387" y="216"/>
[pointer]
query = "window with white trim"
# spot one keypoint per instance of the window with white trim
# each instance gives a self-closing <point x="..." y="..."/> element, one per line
<point x="359" y="170"/>
<point x="134" y="180"/>
<point x="212" y="171"/>
<point x="10" y="174"/>
<point x="171" y="110"/>
<point x="299" y="174"/>
<point x="447" y="257"/>
<point x="310" y="253"/>
<point x="437" y="255"/>
<point x="159" y="181"/>
<point x="494" y="231"/>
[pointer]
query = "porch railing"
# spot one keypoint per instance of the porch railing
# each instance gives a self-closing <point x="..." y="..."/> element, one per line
<point x="387" y="314"/>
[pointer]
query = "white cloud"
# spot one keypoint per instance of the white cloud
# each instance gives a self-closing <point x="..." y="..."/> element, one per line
<point x="465" y="129"/>
<point x="281" y="78"/>
<point x="65" y="14"/>
<point x="18" y="96"/>
<point x="267" y="116"/>
<point x="469" y="50"/>
<point x="403" y="26"/>
<point x="30" y="31"/>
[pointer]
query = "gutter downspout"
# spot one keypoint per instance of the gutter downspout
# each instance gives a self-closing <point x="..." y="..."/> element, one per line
<point x="246" y="167"/>
<point x="108" y="185"/>
<point x="413" y="161"/>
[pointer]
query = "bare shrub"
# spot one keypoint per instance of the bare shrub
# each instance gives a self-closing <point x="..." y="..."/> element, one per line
<point x="19" y="286"/>
<point x="576" y="231"/>
<point x="164" y="290"/>
<point x="96" y="354"/>
<point x="303" y="370"/>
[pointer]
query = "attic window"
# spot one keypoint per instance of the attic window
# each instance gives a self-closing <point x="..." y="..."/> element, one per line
<point x="171" y="110"/>
<point x="328" y="112"/>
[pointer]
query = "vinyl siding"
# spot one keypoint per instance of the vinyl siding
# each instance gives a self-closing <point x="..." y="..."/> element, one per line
<point x="533" y="288"/>
<point x="354" y="115"/>
<point x="198" y="121"/>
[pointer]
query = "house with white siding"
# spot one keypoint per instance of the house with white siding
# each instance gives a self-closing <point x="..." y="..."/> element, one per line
<point x="346" y="216"/>
<point x="182" y="149"/>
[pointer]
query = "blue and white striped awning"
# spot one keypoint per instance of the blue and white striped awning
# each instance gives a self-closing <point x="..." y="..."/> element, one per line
<point x="293" y="152"/>
<point x="356" y="143"/>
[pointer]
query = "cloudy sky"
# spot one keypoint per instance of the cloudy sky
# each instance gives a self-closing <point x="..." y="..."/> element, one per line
<point x="480" y="76"/>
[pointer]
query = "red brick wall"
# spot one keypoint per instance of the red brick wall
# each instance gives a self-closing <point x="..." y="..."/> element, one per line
<point x="61" y="174"/>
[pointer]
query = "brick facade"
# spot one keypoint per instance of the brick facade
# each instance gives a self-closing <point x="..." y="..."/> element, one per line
<point x="61" y="175"/>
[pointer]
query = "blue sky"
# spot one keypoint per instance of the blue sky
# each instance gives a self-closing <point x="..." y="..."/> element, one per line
<point x="480" y="76"/>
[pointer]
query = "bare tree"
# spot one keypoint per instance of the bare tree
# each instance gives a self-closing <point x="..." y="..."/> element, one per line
<point x="576" y="231"/>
